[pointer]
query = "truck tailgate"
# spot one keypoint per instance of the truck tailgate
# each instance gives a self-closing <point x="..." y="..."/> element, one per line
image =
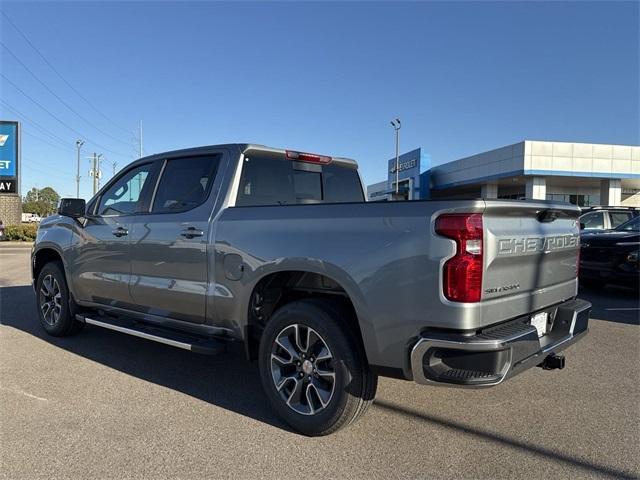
<point x="530" y="256"/>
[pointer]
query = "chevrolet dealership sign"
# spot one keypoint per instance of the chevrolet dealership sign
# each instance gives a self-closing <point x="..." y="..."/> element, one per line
<point x="404" y="166"/>
<point x="9" y="157"/>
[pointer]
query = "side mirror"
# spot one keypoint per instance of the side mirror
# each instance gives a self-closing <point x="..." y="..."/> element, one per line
<point x="72" y="207"/>
<point x="582" y="226"/>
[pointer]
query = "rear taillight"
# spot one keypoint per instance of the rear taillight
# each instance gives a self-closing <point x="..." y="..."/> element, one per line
<point x="462" y="275"/>
<point x="308" y="157"/>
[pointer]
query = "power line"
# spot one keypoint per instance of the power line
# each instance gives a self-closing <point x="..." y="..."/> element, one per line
<point x="33" y="123"/>
<point x="40" y="170"/>
<point x="43" y="140"/>
<point x="24" y="36"/>
<point x="82" y="117"/>
<point x="58" y="119"/>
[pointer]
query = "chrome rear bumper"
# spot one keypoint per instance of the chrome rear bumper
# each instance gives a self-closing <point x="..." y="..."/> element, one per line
<point x="497" y="353"/>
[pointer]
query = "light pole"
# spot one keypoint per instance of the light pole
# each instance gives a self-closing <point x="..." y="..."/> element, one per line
<point x="79" y="144"/>
<point x="396" y="126"/>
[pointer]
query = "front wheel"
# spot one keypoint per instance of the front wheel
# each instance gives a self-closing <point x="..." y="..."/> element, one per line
<point x="54" y="303"/>
<point x="313" y="368"/>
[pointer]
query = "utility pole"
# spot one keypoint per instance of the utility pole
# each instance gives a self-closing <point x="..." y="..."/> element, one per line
<point x="114" y="165"/>
<point x="79" y="144"/>
<point x="99" y="172"/>
<point x="95" y="172"/>
<point x="396" y="126"/>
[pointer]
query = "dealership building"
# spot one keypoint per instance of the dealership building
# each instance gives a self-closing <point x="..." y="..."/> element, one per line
<point x="580" y="173"/>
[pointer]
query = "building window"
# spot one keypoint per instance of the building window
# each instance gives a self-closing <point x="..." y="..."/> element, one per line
<point x="512" y="196"/>
<point x="580" y="200"/>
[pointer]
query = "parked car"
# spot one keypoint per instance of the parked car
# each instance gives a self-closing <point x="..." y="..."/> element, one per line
<point x="606" y="218"/>
<point x="277" y="249"/>
<point x="611" y="256"/>
<point x="31" y="218"/>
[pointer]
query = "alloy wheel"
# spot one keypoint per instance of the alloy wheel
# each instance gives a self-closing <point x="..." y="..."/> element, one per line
<point x="50" y="300"/>
<point x="302" y="368"/>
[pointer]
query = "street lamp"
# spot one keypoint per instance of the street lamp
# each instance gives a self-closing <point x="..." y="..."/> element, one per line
<point x="79" y="144"/>
<point x="396" y="126"/>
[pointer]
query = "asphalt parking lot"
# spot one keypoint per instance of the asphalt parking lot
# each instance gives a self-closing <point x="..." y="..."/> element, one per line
<point x="105" y="405"/>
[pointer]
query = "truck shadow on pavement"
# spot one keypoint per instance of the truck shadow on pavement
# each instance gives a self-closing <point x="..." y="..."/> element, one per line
<point x="505" y="441"/>
<point x="227" y="380"/>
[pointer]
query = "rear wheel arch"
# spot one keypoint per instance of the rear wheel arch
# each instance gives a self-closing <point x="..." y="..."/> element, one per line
<point x="276" y="289"/>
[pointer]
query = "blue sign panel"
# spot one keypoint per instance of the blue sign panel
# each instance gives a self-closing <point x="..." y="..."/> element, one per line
<point x="408" y="173"/>
<point x="8" y="149"/>
<point x="8" y="157"/>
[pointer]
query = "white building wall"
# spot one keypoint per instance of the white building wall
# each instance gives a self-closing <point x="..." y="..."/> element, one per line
<point x="571" y="168"/>
<point x="536" y="188"/>
<point x="578" y="159"/>
<point x="611" y="192"/>
<point x="542" y="158"/>
<point x="489" y="190"/>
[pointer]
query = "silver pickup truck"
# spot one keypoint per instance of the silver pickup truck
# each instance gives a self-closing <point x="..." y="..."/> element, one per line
<point x="278" y="249"/>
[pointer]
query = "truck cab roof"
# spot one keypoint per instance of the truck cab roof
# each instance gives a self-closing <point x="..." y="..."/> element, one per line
<point x="244" y="148"/>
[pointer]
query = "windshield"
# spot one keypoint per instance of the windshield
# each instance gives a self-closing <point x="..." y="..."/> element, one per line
<point x="632" y="225"/>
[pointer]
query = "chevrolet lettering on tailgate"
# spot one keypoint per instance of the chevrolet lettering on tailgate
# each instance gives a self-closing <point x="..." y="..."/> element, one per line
<point x="509" y="246"/>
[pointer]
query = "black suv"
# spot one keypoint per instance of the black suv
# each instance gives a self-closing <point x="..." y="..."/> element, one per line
<point x="611" y="256"/>
<point x="606" y="218"/>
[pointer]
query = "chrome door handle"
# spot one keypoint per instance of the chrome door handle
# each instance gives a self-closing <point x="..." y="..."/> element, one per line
<point x="192" y="232"/>
<point x="120" y="232"/>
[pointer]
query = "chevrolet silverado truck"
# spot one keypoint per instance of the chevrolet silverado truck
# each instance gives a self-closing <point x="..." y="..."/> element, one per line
<point x="277" y="249"/>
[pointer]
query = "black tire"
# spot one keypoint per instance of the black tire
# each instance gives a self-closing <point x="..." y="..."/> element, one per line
<point x="51" y="282"/>
<point x="354" y="384"/>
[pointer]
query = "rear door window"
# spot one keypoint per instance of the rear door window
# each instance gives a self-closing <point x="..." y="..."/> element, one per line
<point x="185" y="183"/>
<point x="630" y="226"/>
<point x="265" y="181"/>
<point x="618" y="218"/>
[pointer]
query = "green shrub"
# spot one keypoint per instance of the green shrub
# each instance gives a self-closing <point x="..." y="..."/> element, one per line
<point x="21" y="233"/>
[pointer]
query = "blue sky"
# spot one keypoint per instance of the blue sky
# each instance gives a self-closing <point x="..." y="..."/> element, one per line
<point x="321" y="77"/>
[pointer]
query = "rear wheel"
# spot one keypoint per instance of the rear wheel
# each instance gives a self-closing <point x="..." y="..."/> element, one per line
<point x="56" y="309"/>
<point x="313" y="368"/>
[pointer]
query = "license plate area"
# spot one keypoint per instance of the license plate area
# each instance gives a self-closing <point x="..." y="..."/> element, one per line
<point x="540" y="321"/>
